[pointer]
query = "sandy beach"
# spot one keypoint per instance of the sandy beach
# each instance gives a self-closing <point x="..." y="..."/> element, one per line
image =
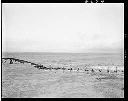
<point x="25" y="81"/>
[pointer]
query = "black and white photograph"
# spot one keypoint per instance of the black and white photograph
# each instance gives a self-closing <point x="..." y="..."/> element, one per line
<point x="62" y="50"/>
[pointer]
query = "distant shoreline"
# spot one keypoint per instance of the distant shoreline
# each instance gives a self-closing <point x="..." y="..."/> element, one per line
<point x="69" y="52"/>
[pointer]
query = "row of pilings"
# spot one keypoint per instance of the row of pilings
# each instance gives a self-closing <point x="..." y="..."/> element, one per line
<point x="40" y="66"/>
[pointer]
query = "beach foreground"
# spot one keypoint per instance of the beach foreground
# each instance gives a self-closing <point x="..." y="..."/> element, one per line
<point x="25" y="81"/>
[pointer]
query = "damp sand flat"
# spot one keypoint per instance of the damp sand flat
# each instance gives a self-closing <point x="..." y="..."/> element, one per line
<point x="67" y="59"/>
<point x="25" y="81"/>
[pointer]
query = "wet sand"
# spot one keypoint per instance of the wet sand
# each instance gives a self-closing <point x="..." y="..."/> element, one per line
<point x="25" y="81"/>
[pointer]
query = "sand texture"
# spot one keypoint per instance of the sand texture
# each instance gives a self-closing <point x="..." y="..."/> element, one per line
<point x="25" y="81"/>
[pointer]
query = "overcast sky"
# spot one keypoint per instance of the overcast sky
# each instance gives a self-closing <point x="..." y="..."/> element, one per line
<point x="62" y="27"/>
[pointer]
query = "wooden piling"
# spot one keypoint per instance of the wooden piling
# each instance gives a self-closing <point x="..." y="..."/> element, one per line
<point x="92" y="70"/>
<point x="108" y="69"/>
<point x="11" y="61"/>
<point x="116" y="69"/>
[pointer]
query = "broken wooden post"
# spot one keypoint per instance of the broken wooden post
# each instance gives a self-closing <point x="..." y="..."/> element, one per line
<point x="77" y="69"/>
<point x="11" y="61"/>
<point x="70" y="69"/>
<point x="100" y="70"/>
<point x="92" y="70"/>
<point x="116" y="69"/>
<point x="63" y="69"/>
<point x="108" y="69"/>
<point x="50" y="67"/>
<point x="86" y="69"/>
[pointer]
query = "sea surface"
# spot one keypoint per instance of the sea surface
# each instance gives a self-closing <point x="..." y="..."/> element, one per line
<point x="70" y="59"/>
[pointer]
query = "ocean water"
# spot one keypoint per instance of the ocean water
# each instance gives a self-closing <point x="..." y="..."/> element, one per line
<point x="69" y="59"/>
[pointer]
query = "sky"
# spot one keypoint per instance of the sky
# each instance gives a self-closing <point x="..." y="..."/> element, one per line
<point x="63" y="27"/>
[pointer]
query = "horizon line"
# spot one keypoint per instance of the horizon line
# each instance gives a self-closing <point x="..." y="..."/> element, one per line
<point x="60" y="52"/>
